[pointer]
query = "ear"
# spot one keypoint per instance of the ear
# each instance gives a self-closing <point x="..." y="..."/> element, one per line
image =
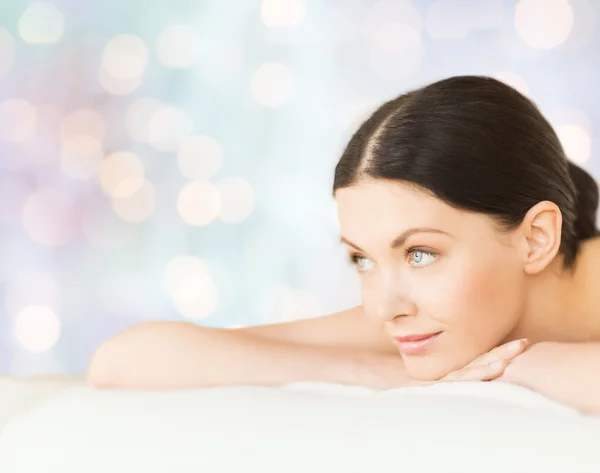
<point x="541" y="229"/>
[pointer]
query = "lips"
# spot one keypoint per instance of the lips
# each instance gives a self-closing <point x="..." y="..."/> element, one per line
<point x="416" y="344"/>
<point x="414" y="338"/>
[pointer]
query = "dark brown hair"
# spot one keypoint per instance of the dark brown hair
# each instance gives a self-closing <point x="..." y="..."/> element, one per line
<point x="479" y="145"/>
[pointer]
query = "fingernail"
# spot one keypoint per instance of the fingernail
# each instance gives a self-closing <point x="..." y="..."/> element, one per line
<point x="496" y="365"/>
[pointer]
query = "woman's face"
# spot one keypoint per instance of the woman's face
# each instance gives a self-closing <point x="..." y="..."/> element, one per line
<point x="426" y="267"/>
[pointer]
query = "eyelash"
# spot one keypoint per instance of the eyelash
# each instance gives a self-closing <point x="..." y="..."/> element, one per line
<point x="355" y="256"/>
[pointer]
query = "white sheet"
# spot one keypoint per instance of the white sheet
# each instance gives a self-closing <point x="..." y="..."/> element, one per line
<point x="303" y="427"/>
<point x="20" y="394"/>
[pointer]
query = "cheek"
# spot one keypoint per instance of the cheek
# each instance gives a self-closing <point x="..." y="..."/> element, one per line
<point x="484" y="294"/>
<point x="371" y="292"/>
<point x="478" y="294"/>
<point x="478" y="303"/>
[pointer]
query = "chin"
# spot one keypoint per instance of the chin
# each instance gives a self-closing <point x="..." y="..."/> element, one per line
<point x="427" y="368"/>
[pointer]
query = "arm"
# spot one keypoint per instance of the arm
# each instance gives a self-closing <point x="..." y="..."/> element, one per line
<point x="349" y="328"/>
<point x="566" y="372"/>
<point x="174" y="355"/>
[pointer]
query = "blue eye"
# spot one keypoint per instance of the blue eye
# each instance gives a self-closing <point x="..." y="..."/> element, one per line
<point x="420" y="257"/>
<point x="356" y="261"/>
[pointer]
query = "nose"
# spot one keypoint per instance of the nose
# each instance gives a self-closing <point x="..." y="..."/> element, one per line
<point x="393" y="301"/>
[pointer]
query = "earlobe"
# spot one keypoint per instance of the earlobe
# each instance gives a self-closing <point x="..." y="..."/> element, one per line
<point x="542" y="231"/>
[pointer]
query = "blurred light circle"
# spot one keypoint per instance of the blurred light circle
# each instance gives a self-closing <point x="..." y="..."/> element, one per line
<point x="134" y="199"/>
<point x="237" y="199"/>
<point x="272" y="84"/>
<point x="514" y="80"/>
<point x="189" y="281"/>
<point x="137" y="118"/>
<point x="168" y="128"/>
<point x="7" y="51"/>
<point x="83" y="122"/>
<point x="103" y="229"/>
<point x="575" y="116"/>
<point x="18" y="120"/>
<point x="32" y="286"/>
<point x="128" y="187"/>
<point x="178" y="47"/>
<point x="196" y="297"/>
<point x="48" y="217"/>
<point x="125" y="57"/>
<point x="81" y="156"/>
<point x="37" y="328"/>
<point x="576" y="142"/>
<point x="282" y="13"/>
<point x="118" y="86"/>
<point x="199" y="157"/>
<point x="181" y="268"/>
<point x="118" y="167"/>
<point x="41" y="23"/>
<point x="445" y="21"/>
<point x="199" y="203"/>
<point x="544" y="24"/>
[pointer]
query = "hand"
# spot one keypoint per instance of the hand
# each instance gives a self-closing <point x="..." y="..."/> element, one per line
<point x="490" y="365"/>
<point x="487" y="367"/>
<point x="387" y="371"/>
<point x="542" y="357"/>
<point x="566" y="372"/>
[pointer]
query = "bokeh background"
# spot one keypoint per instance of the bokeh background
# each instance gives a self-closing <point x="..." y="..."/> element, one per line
<point x="174" y="159"/>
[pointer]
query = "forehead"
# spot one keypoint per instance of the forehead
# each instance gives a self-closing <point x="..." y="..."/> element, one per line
<point x="388" y="207"/>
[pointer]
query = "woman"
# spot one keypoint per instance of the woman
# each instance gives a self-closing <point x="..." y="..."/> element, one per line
<point x="475" y="241"/>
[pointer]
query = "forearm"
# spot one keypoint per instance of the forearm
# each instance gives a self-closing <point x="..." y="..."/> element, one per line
<point x="572" y="378"/>
<point x="172" y="355"/>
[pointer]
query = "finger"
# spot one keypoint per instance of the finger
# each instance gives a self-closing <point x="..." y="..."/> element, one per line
<point x="479" y="373"/>
<point x="506" y="351"/>
<point x="503" y="352"/>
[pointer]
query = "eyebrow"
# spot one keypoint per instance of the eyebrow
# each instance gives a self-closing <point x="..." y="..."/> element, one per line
<point x="400" y="239"/>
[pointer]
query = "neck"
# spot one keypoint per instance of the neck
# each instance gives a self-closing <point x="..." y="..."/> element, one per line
<point x="559" y="306"/>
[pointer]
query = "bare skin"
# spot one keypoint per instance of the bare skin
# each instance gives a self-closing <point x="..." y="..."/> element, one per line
<point x="506" y="308"/>
<point x="481" y="286"/>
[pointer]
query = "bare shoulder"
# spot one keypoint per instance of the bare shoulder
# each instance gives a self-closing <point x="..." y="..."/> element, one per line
<point x="349" y="328"/>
